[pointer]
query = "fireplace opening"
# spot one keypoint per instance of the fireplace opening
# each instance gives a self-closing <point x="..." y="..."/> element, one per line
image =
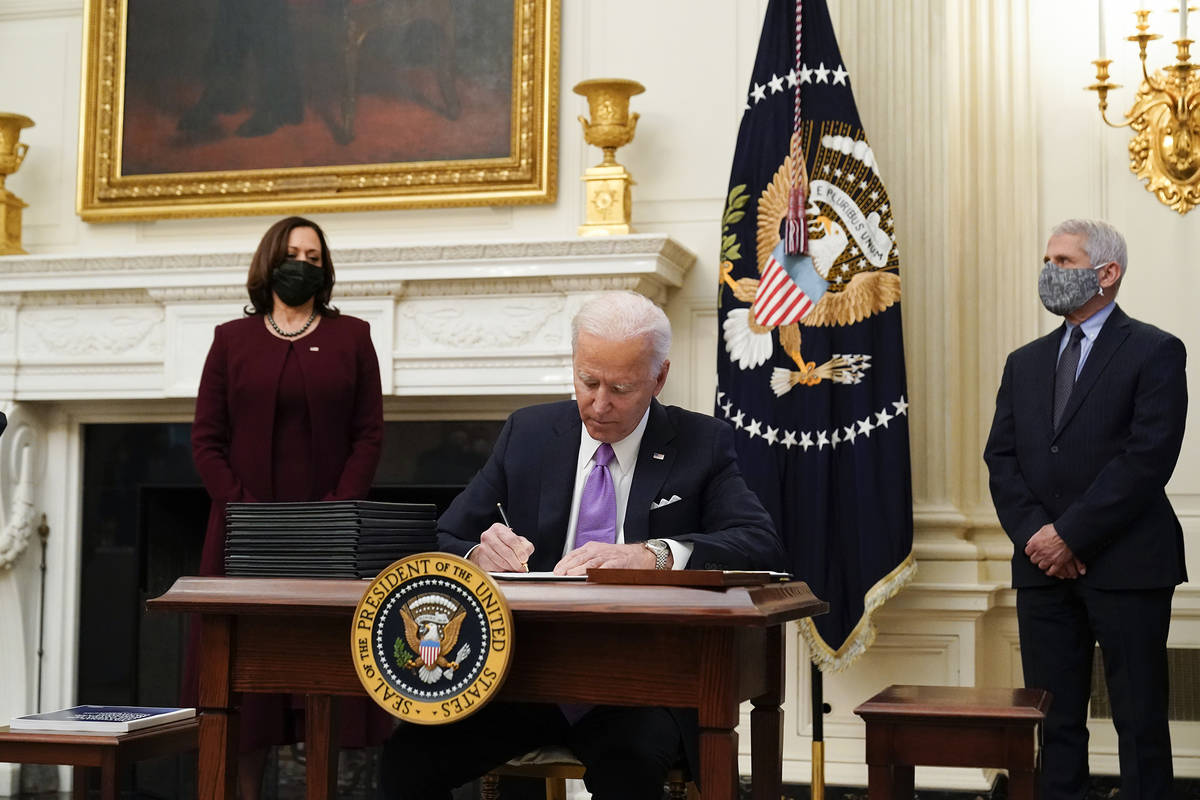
<point x="144" y="517"/>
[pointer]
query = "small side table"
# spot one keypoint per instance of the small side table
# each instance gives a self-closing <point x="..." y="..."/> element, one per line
<point x="952" y="726"/>
<point x="108" y="751"/>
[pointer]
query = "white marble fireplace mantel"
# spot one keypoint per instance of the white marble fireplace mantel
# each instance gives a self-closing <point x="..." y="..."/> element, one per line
<point x="485" y="323"/>
<point x="466" y="319"/>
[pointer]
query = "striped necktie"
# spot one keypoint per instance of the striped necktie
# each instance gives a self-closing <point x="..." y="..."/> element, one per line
<point x="1064" y="376"/>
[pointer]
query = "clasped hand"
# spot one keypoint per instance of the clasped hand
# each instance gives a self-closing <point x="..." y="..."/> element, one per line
<point x="502" y="550"/>
<point x="1049" y="553"/>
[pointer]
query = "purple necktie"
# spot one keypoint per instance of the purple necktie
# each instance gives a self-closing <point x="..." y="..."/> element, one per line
<point x="597" y="520"/>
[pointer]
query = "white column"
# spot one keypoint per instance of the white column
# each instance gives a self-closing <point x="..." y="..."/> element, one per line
<point x="945" y="94"/>
<point x="996" y="244"/>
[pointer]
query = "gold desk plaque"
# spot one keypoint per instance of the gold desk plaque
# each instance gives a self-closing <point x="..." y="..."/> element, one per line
<point x="432" y="639"/>
<point x="12" y="153"/>
<point x="609" y="206"/>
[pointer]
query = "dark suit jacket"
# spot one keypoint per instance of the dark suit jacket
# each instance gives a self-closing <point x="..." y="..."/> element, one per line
<point x="235" y="415"/>
<point x="1101" y="477"/>
<point x="532" y="472"/>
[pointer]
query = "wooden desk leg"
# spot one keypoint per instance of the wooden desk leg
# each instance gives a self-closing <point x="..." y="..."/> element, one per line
<point x="110" y="778"/>
<point x="766" y="725"/>
<point x="217" y="743"/>
<point x="718" y="764"/>
<point x="1024" y="745"/>
<point x="79" y="776"/>
<point x="1022" y="784"/>
<point x="889" y="782"/>
<point x="879" y="782"/>
<point x="320" y="747"/>
<point x="216" y="777"/>
<point x="718" y="715"/>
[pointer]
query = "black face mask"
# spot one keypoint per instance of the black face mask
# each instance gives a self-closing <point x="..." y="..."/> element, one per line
<point x="297" y="281"/>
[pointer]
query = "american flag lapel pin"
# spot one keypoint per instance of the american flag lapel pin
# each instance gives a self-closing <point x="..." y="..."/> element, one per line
<point x="659" y="456"/>
<point x="314" y="349"/>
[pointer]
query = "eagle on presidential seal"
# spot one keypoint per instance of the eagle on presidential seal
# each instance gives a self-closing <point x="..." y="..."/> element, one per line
<point x="846" y="275"/>
<point x="431" y="626"/>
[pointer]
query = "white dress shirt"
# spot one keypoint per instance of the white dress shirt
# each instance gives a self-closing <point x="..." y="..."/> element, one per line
<point x="621" y="469"/>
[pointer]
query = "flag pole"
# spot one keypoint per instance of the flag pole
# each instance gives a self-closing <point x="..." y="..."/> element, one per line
<point x="797" y="242"/>
<point x="818" y="728"/>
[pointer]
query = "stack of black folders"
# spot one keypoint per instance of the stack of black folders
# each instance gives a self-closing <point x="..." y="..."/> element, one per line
<point x="338" y="539"/>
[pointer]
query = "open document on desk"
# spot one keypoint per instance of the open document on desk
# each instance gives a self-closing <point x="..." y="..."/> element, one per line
<point x="710" y="578"/>
<point x="535" y="576"/>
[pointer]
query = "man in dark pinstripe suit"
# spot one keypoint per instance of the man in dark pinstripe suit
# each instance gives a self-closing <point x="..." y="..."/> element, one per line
<point x="1089" y="421"/>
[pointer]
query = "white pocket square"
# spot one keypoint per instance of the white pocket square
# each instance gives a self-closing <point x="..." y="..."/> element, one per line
<point x="666" y="501"/>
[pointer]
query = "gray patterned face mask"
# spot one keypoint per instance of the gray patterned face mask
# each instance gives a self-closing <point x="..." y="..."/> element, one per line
<point x="1063" y="290"/>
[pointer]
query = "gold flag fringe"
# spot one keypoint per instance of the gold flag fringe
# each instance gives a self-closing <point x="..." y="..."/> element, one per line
<point x="829" y="660"/>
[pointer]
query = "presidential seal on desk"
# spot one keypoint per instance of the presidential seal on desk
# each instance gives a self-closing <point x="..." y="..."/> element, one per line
<point x="432" y="639"/>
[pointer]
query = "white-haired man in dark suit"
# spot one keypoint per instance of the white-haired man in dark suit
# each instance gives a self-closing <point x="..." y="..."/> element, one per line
<point x="1089" y="421"/>
<point x="673" y="498"/>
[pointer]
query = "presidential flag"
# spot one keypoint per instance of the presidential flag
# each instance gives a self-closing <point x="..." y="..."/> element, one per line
<point x="811" y="363"/>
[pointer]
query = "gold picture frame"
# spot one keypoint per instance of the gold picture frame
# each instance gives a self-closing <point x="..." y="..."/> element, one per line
<point x="378" y="111"/>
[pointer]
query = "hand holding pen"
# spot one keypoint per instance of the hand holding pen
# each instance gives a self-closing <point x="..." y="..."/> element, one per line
<point x="507" y="524"/>
<point x="501" y="549"/>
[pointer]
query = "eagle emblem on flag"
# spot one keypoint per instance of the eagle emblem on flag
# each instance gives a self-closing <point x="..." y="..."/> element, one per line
<point x="846" y="275"/>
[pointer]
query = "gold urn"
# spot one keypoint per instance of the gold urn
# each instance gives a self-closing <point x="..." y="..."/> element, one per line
<point x="12" y="153"/>
<point x="609" y="206"/>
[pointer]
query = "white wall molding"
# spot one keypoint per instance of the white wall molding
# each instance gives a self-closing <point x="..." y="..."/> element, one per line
<point x="40" y="9"/>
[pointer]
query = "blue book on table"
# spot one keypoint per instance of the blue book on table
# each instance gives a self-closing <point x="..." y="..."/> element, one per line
<point x="100" y="719"/>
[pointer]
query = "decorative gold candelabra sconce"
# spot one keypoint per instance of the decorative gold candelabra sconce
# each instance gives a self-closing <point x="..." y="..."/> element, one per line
<point x="1165" y="118"/>
<point x="12" y="153"/>
<point x="609" y="206"/>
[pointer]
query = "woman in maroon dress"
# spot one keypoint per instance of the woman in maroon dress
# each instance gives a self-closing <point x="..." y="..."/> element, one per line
<point x="289" y="409"/>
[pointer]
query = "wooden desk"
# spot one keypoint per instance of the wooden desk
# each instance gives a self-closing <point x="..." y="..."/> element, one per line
<point x="952" y="726"/>
<point x="106" y="751"/>
<point x="573" y="642"/>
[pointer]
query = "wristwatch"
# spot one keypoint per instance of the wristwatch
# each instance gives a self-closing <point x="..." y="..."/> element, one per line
<point x="661" y="550"/>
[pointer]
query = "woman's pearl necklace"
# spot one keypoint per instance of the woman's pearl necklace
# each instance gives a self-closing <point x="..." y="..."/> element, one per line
<point x="293" y="334"/>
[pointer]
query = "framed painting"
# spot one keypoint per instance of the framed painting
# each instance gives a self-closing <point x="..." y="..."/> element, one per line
<point x="196" y="108"/>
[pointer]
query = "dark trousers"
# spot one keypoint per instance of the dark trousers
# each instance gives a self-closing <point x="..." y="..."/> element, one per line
<point x="1059" y="628"/>
<point x="626" y="751"/>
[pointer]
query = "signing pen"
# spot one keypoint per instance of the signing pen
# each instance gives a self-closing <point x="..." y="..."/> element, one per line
<point x="507" y="524"/>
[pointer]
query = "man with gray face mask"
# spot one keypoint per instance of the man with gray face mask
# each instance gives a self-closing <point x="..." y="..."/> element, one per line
<point x="1089" y="421"/>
